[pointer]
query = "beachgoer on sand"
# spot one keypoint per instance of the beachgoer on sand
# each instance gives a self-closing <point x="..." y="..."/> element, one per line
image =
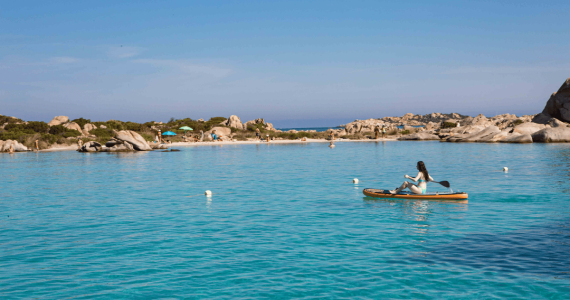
<point x="80" y="143"/>
<point x="422" y="177"/>
<point x="383" y="131"/>
<point x="38" y="147"/>
<point x="11" y="150"/>
<point x="257" y="133"/>
<point x="268" y="138"/>
<point x="331" y="135"/>
<point x="214" y="135"/>
<point x="377" y="131"/>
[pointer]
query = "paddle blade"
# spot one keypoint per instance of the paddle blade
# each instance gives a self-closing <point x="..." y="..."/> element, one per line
<point x="444" y="183"/>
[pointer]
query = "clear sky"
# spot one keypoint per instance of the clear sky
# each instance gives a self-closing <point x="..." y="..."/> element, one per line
<point x="295" y="63"/>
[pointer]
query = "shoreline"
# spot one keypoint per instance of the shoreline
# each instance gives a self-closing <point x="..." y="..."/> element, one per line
<point x="189" y="144"/>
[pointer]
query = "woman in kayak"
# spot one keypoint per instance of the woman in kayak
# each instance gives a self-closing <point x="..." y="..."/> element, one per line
<point x="422" y="177"/>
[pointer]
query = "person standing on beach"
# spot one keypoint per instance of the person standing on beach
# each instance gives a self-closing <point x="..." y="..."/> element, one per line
<point x="383" y="131"/>
<point x="11" y="150"/>
<point x="331" y="135"/>
<point x="257" y="134"/>
<point x="80" y="143"/>
<point x="377" y="131"/>
<point x="201" y="135"/>
<point x="37" y="146"/>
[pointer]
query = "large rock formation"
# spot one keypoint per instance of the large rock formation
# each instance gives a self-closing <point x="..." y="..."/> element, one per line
<point x="517" y="138"/>
<point x="420" y="136"/>
<point x="90" y="147"/>
<point x="234" y="122"/>
<point x="552" y="135"/>
<point x="528" y="128"/>
<point x="558" y="106"/>
<point x="5" y="146"/>
<point x="58" y="120"/>
<point x="133" y="138"/>
<point x="88" y="127"/>
<point x="220" y="131"/>
<point x="74" y="126"/>
<point x="266" y="126"/>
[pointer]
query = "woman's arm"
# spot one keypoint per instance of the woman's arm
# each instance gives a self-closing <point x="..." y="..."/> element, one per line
<point x="418" y="177"/>
<point x="430" y="178"/>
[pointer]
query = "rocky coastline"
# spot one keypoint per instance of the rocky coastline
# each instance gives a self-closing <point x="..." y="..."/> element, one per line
<point x="552" y="125"/>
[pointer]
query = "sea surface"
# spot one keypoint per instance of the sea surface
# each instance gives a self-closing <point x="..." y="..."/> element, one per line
<point x="285" y="221"/>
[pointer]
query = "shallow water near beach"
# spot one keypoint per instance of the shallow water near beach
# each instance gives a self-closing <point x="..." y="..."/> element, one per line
<point x="286" y="221"/>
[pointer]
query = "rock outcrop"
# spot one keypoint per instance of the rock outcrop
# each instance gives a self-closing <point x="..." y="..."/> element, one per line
<point x="73" y="126"/>
<point x="528" y="128"/>
<point x="88" y="127"/>
<point x="517" y="138"/>
<point x="133" y="138"/>
<point x="234" y="122"/>
<point x="420" y="136"/>
<point x="558" y="106"/>
<point x="91" y="147"/>
<point x="266" y="126"/>
<point x="58" y="120"/>
<point x="552" y="135"/>
<point x="5" y="146"/>
<point x="220" y="131"/>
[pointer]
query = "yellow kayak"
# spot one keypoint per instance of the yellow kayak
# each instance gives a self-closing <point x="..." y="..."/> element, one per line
<point x="376" y="193"/>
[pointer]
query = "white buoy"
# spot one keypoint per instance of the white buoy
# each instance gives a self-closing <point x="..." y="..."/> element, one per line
<point x="355" y="180"/>
<point x="505" y="169"/>
<point x="208" y="193"/>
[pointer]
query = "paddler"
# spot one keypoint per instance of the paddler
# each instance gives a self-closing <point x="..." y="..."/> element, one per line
<point x="422" y="177"/>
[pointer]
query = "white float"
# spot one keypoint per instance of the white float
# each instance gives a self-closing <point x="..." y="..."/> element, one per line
<point x="505" y="169"/>
<point x="208" y="193"/>
<point x="355" y="180"/>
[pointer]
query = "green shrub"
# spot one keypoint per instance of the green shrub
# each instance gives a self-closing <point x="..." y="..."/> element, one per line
<point x="39" y="127"/>
<point x="253" y="127"/>
<point x="14" y="127"/>
<point x="102" y="133"/>
<point x="10" y="120"/>
<point x="57" y="130"/>
<point x="404" y="132"/>
<point x="132" y="126"/>
<point x="147" y="137"/>
<point x="71" y="133"/>
<point x="81" y="122"/>
<point x="449" y="125"/>
<point x="517" y="122"/>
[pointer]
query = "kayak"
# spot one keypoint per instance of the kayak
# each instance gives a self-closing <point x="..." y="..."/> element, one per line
<point x="408" y="195"/>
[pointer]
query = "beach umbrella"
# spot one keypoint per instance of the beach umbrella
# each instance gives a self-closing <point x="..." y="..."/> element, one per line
<point x="168" y="133"/>
<point x="185" y="128"/>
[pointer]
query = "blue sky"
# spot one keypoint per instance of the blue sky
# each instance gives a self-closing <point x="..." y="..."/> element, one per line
<point x="295" y="63"/>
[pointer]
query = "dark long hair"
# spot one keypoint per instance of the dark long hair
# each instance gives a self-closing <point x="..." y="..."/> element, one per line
<point x="422" y="168"/>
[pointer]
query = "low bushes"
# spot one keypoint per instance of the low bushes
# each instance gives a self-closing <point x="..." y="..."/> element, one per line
<point x="81" y="122"/>
<point x="449" y="125"/>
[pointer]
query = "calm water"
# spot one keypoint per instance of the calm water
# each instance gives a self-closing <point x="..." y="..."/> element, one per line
<point x="285" y="222"/>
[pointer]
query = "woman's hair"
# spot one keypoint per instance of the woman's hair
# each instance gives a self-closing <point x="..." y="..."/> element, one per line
<point x="422" y="168"/>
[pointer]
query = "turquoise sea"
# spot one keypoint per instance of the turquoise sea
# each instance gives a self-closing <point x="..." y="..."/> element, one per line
<point x="285" y="221"/>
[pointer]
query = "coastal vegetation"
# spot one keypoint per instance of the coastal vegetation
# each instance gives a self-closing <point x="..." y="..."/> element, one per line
<point x="551" y="125"/>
